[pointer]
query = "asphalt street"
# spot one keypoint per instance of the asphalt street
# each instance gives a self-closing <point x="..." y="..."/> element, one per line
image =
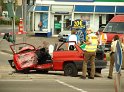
<point x="61" y="84"/>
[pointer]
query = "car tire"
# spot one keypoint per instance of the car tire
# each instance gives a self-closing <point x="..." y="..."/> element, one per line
<point x="13" y="65"/>
<point x="70" y="70"/>
<point x="26" y="70"/>
<point x="98" y="70"/>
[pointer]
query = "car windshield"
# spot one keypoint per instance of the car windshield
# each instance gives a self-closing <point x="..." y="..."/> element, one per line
<point x="116" y="27"/>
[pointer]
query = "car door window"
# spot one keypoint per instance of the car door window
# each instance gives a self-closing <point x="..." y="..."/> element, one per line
<point x="67" y="47"/>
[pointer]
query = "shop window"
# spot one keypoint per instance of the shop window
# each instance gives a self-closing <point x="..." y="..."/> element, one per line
<point x="44" y="20"/>
<point x="67" y="22"/>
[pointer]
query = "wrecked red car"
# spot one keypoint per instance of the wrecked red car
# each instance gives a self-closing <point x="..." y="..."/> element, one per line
<point x="64" y="58"/>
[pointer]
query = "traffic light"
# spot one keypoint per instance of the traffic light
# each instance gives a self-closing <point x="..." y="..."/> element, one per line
<point x="8" y="37"/>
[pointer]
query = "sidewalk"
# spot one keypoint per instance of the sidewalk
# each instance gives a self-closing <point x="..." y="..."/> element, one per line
<point x="7" y="72"/>
<point x="29" y="38"/>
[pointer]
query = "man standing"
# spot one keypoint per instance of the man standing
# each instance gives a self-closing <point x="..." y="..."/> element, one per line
<point x="73" y="37"/>
<point x="40" y="26"/>
<point x="102" y="38"/>
<point x="90" y="53"/>
<point x="112" y="56"/>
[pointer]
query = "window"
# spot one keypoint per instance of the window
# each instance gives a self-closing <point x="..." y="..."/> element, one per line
<point x="44" y="19"/>
<point x="115" y="27"/>
<point x="68" y="46"/>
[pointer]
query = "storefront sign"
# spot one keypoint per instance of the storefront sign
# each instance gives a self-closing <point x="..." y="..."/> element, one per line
<point x="57" y="25"/>
<point x="75" y="0"/>
<point x="79" y="24"/>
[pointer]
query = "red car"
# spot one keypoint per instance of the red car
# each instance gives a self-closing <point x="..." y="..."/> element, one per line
<point x="64" y="58"/>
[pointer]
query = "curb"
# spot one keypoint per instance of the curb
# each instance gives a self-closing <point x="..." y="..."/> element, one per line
<point x="7" y="51"/>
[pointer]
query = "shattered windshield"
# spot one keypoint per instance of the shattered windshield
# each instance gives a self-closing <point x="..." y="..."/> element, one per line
<point x="116" y="27"/>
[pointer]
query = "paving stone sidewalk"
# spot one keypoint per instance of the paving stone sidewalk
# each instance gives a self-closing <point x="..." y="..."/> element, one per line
<point x="29" y="38"/>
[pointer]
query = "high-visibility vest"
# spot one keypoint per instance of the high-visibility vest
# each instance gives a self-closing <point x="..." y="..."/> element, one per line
<point x="92" y="38"/>
<point x="103" y="38"/>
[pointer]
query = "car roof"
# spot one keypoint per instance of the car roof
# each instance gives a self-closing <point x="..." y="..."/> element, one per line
<point x="117" y="18"/>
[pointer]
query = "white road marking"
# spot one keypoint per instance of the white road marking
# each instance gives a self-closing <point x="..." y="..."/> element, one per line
<point x="7" y="80"/>
<point x="70" y="86"/>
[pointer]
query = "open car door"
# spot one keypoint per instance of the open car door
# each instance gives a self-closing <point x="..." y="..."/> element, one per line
<point x="23" y="55"/>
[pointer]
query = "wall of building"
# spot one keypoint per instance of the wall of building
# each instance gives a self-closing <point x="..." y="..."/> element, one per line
<point x="95" y="13"/>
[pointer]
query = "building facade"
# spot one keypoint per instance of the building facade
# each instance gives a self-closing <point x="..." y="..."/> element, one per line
<point x="57" y="15"/>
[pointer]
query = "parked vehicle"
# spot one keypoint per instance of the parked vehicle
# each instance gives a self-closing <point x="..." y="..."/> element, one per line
<point x="62" y="37"/>
<point x="78" y="26"/>
<point x="64" y="58"/>
<point x="114" y="27"/>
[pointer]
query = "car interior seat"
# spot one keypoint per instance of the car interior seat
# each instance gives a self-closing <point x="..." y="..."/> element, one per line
<point x="71" y="47"/>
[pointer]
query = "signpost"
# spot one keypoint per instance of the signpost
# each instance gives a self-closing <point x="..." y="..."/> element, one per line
<point x="11" y="14"/>
<point x="118" y="63"/>
<point x="24" y="13"/>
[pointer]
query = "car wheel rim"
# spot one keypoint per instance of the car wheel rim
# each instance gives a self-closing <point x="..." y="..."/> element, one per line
<point x="69" y="70"/>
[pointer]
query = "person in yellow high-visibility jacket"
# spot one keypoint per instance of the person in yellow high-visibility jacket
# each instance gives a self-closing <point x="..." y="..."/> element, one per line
<point x="90" y="53"/>
<point x="102" y="39"/>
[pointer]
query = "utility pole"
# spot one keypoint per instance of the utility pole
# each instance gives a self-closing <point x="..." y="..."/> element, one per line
<point x="24" y="13"/>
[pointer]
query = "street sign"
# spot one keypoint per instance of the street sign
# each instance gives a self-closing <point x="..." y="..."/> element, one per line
<point x="118" y="57"/>
<point x="57" y="25"/>
<point x="118" y="63"/>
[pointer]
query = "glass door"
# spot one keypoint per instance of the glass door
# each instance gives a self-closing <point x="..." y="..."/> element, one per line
<point x="57" y="24"/>
<point x="62" y="23"/>
<point x="66" y="22"/>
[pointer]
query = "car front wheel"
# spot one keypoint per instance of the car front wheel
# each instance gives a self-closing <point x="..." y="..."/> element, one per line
<point x="70" y="70"/>
<point x="98" y="70"/>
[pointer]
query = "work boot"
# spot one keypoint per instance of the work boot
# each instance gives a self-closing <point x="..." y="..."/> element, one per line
<point x="90" y="77"/>
<point x="83" y="77"/>
<point x="109" y="77"/>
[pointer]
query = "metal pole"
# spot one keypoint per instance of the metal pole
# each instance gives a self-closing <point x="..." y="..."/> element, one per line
<point x="24" y="2"/>
<point x="13" y="24"/>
